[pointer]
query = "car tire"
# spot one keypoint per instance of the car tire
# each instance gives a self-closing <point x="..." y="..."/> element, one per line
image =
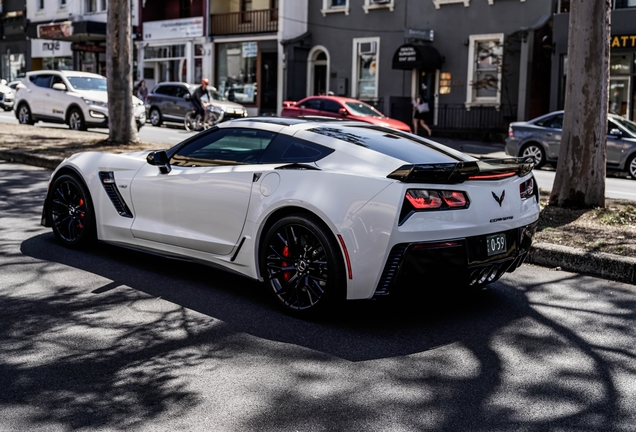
<point x="76" y="120"/>
<point x="70" y="211"/>
<point x="24" y="115"/>
<point x="631" y="167"/>
<point x="302" y="263"/>
<point x="535" y="151"/>
<point x="155" y="117"/>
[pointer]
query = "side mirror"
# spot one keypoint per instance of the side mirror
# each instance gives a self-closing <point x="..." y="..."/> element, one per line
<point x="343" y="111"/>
<point x="187" y="96"/>
<point x="616" y="133"/>
<point x="59" y="87"/>
<point x="159" y="159"/>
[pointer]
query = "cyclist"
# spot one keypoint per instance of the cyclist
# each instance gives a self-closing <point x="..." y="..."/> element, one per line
<point x="197" y="98"/>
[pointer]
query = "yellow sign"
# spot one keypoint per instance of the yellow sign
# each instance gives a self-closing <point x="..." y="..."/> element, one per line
<point x="624" y="41"/>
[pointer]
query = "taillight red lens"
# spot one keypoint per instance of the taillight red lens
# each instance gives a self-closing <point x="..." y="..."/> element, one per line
<point x="526" y="189"/>
<point x="511" y="132"/>
<point x="424" y="199"/>
<point x="454" y="199"/>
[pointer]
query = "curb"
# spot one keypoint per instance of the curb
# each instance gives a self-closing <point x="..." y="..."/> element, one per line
<point x="50" y="162"/>
<point x="600" y="264"/>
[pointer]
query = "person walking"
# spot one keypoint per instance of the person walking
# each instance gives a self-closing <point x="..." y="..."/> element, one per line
<point x="142" y="91"/>
<point x="420" y="111"/>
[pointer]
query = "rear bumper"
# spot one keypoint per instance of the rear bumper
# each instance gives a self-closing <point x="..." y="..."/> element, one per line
<point x="460" y="262"/>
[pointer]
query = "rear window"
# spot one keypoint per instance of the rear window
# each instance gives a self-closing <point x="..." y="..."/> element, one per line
<point x="391" y="143"/>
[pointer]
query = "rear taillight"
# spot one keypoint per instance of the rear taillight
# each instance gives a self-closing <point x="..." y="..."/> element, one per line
<point x="416" y="200"/>
<point x="511" y="131"/>
<point x="526" y="189"/>
<point x="427" y="199"/>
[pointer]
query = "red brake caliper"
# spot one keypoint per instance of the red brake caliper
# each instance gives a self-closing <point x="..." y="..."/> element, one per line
<point x="81" y="204"/>
<point x="286" y="274"/>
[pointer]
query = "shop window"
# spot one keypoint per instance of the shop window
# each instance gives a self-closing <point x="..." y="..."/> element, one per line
<point x="365" y="67"/>
<point x="237" y="71"/>
<point x="445" y="79"/>
<point x="95" y="6"/>
<point x="620" y="64"/>
<point x="337" y="6"/>
<point x="621" y="4"/>
<point x="485" y="56"/>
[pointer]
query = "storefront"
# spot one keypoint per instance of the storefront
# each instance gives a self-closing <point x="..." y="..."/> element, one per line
<point x="174" y="50"/>
<point x="246" y="72"/>
<point x="14" y="46"/>
<point x="48" y="54"/>
<point x="622" y="91"/>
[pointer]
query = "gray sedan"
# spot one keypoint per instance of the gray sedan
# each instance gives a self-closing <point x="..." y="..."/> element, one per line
<point x="541" y="139"/>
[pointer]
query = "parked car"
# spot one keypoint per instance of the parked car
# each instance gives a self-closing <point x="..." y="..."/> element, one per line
<point x="340" y="107"/>
<point x="78" y="99"/>
<point x="6" y="96"/>
<point x="170" y="101"/>
<point x="320" y="210"/>
<point x="14" y="84"/>
<point x="541" y="139"/>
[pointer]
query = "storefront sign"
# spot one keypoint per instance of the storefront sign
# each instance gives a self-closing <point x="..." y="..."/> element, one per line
<point x="42" y="48"/>
<point x="55" y="31"/>
<point x="250" y="49"/>
<point x="88" y="48"/>
<point x="628" y="41"/>
<point x="173" y="29"/>
<point x="426" y="35"/>
<point x="407" y="57"/>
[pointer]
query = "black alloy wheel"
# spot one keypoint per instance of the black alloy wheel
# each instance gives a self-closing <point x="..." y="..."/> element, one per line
<point x="303" y="265"/>
<point x="71" y="212"/>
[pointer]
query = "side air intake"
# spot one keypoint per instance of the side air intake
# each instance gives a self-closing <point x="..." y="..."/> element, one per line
<point x="108" y="181"/>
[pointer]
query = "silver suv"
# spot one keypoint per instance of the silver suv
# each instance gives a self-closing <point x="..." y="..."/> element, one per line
<point x="79" y="99"/>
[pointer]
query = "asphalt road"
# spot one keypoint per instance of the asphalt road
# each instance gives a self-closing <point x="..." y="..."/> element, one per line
<point x="170" y="134"/>
<point x="112" y="339"/>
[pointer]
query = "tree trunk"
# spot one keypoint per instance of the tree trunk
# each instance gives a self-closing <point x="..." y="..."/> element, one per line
<point x="580" y="174"/>
<point x="121" y="121"/>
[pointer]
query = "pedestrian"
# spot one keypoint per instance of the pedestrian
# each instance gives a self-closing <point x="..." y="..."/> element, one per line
<point x="142" y="91"/>
<point x="420" y="110"/>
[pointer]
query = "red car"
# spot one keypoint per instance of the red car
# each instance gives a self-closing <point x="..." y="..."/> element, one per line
<point x="340" y="107"/>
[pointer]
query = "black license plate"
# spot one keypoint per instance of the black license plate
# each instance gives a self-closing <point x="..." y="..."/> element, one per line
<point x="496" y="244"/>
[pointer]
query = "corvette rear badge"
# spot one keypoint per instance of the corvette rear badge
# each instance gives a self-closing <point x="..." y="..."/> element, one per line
<point x="499" y="199"/>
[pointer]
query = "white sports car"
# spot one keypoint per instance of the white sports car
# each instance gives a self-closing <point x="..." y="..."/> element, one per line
<point x="319" y="210"/>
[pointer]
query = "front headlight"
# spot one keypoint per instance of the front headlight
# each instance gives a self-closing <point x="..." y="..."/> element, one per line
<point x="95" y="103"/>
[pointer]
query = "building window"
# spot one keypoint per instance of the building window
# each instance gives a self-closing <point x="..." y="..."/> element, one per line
<point x="485" y="56"/>
<point x="621" y="4"/>
<point x="337" y="6"/>
<point x="378" y="4"/>
<point x="40" y="4"/>
<point x="366" y="54"/>
<point x="438" y="3"/>
<point x="445" y="83"/>
<point x="62" y="3"/>
<point x="184" y="9"/>
<point x="246" y="8"/>
<point x="236" y="73"/>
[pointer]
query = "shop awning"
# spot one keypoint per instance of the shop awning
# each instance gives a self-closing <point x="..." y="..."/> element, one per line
<point x="424" y="57"/>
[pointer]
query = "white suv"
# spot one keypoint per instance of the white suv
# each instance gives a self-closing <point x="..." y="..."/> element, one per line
<point x="78" y="99"/>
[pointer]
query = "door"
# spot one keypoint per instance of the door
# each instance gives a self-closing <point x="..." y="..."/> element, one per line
<point x="615" y="144"/>
<point x="202" y="203"/>
<point x="426" y="89"/>
<point x="552" y="135"/>
<point x="182" y="105"/>
<point x="57" y="100"/>
<point x="41" y="86"/>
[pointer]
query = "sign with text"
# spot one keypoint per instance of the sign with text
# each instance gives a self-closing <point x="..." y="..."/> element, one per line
<point x="624" y="41"/>
<point x="42" y="48"/>
<point x="59" y="30"/>
<point x="426" y="35"/>
<point x="173" y="29"/>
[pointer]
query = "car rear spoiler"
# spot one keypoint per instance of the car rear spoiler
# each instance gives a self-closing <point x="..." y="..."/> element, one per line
<point x="459" y="172"/>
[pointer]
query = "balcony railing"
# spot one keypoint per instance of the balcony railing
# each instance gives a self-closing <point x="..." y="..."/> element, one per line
<point x="256" y="21"/>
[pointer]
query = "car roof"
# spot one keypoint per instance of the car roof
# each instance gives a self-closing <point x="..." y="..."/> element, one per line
<point x="341" y="99"/>
<point x="67" y="73"/>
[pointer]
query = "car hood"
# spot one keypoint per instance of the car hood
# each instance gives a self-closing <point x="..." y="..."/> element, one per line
<point x="5" y="89"/>
<point x="95" y="95"/>
<point x="228" y="105"/>
<point x="386" y="122"/>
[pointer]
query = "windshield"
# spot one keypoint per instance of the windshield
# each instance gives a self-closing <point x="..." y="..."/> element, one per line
<point x="217" y="96"/>
<point x="362" y="109"/>
<point x="627" y="124"/>
<point x="87" y="83"/>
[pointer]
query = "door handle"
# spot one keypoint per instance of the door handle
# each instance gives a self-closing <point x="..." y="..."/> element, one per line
<point x="548" y="134"/>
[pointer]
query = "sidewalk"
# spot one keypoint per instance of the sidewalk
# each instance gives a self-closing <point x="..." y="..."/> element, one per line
<point x="608" y="266"/>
